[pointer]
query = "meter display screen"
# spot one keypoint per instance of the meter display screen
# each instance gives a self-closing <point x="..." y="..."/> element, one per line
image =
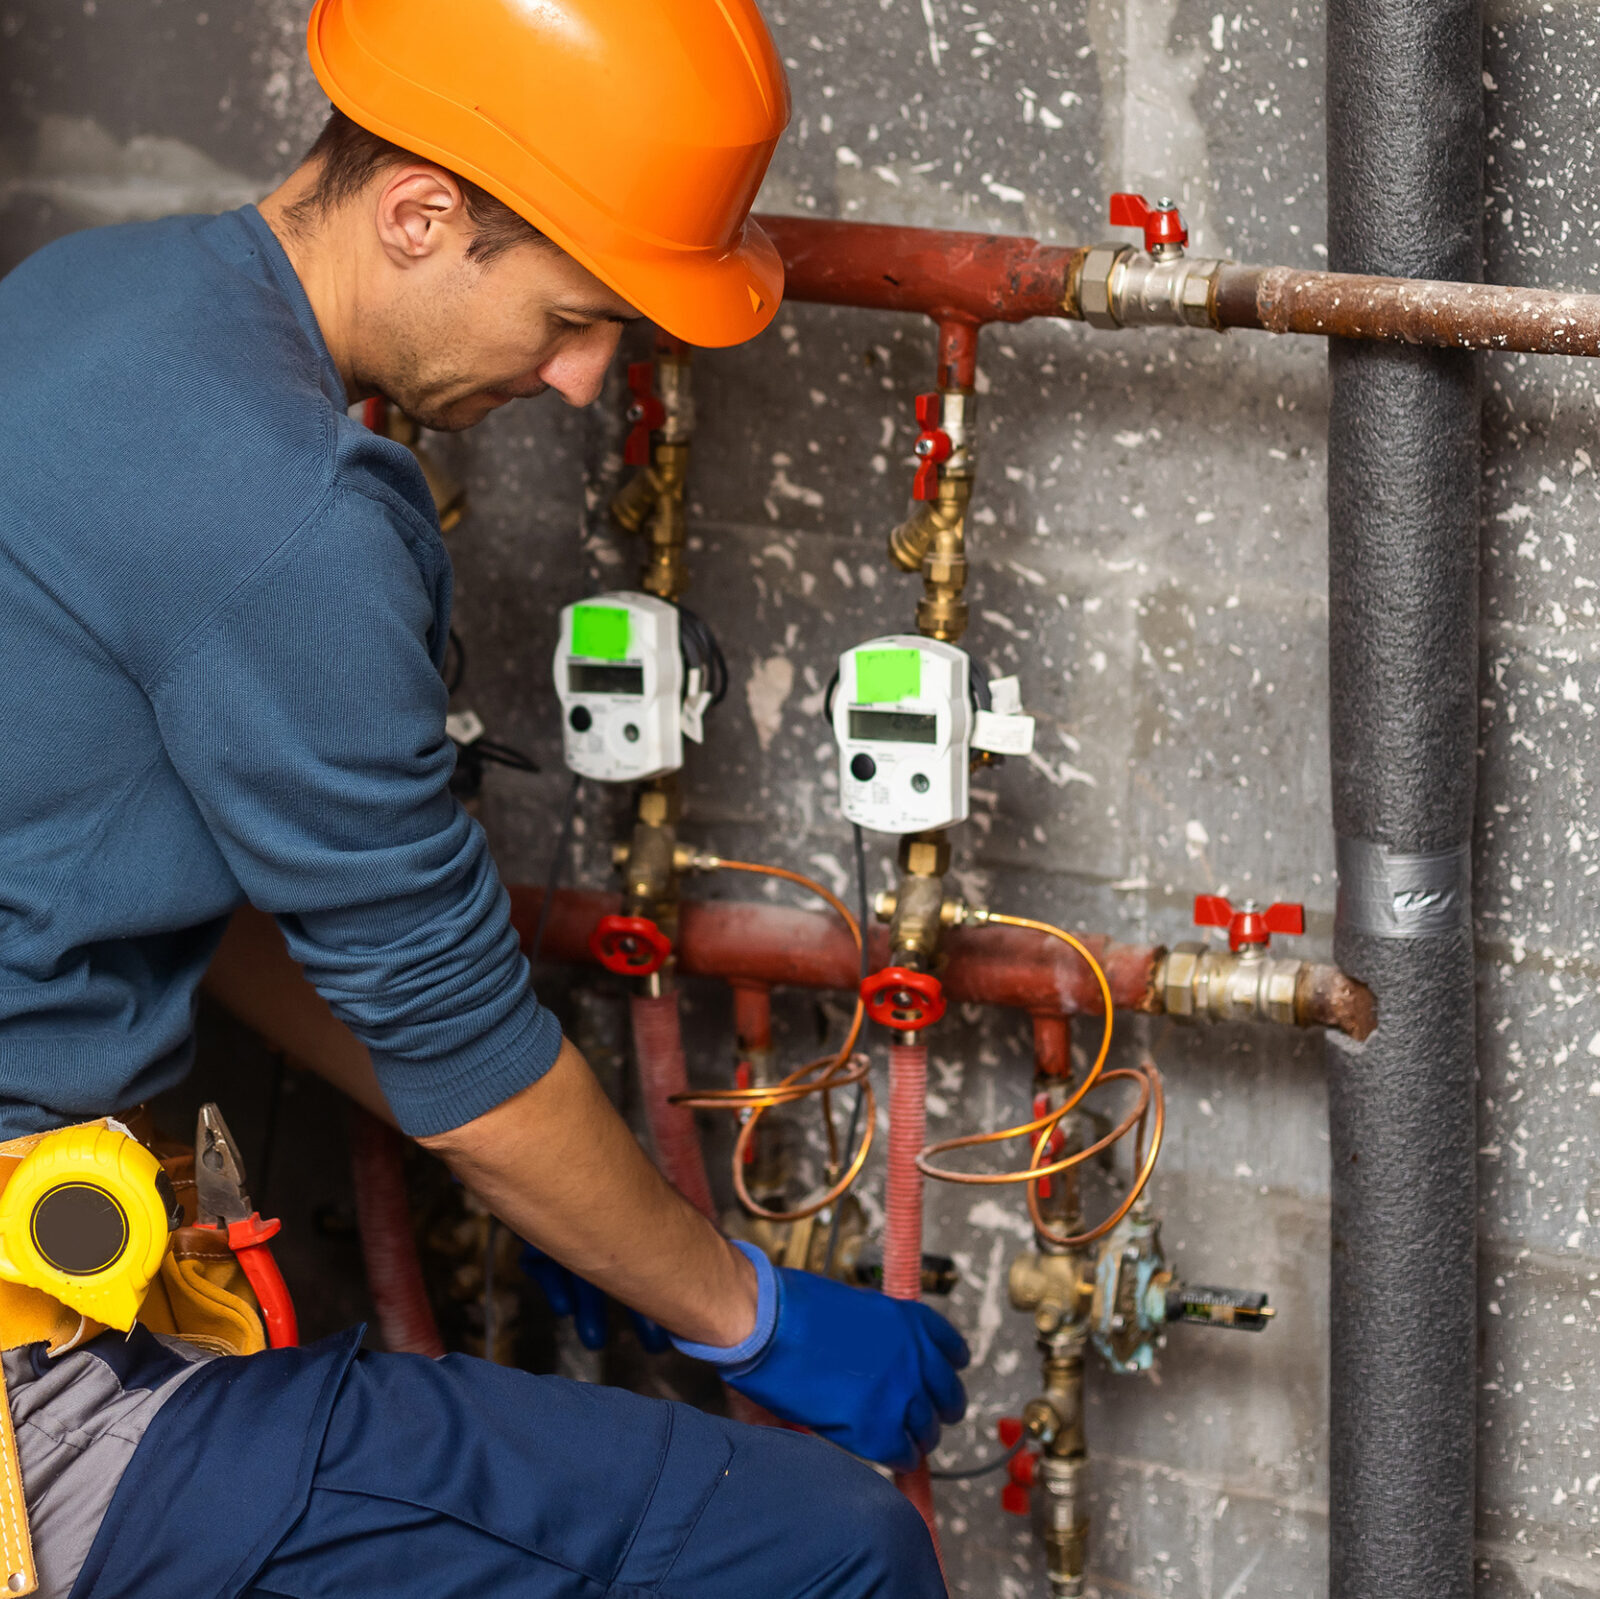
<point x="893" y="727"/>
<point x="588" y="677"/>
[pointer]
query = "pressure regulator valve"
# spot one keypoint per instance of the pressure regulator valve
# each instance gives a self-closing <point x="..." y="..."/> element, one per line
<point x="628" y="697"/>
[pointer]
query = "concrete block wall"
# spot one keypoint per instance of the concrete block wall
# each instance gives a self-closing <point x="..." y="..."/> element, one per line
<point x="1149" y="558"/>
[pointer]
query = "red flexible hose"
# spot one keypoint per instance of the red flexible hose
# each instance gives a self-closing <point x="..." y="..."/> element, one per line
<point x="902" y="1229"/>
<point x="658" y="1043"/>
<point x="388" y="1244"/>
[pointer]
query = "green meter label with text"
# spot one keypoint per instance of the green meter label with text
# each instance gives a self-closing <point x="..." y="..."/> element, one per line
<point x="600" y="632"/>
<point x="885" y="675"/>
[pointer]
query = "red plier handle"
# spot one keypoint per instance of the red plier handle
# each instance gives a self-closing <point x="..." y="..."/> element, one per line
<point x="248" y="1241"/>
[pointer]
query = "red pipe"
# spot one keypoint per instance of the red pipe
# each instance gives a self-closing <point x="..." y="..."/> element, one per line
<point x="1052" y="1045"/>
<point x="744" y="941"/>
<point x="978" y="277"/>
<point x="388" y="1243"/>
<point x="658" y="1043"/>
<point x="902" y="1217"/>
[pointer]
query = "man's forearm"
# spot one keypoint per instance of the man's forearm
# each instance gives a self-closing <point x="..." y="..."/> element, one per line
<point x="555" y="1163"/>
<point x="560" y="1167"/>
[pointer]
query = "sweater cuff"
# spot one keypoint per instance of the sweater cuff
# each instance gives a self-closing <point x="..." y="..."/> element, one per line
<point x="451" y="1093"/>
<point x="736" y="1360"/>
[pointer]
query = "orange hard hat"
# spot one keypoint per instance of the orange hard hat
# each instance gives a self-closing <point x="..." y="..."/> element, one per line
<point x="634" y="133"/>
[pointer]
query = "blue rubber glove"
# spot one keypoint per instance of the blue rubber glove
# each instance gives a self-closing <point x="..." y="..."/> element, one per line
<point x="872" y="1374"/>
<point x="589" y="1307"/>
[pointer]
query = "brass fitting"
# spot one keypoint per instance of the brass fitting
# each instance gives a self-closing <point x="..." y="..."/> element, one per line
<point x="1198" y="983"/>
<point x="1060" y="1488"/>
<point x="649" y="864"/>
<point x="933" y="538"/>
<point x="656" y="494"/>
<point x="917" y="918"/>
<point x="1057" y="1289"/>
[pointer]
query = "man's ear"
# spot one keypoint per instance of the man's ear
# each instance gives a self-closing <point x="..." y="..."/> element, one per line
<point x="418" y="208"/>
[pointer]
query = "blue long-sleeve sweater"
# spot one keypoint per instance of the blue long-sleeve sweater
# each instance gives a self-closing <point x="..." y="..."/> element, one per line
<point x="223" y="604"/>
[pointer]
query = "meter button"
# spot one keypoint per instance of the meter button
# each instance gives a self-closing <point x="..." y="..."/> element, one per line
<point x="631" y="733"/>
<point x="920" y="783"/>
<point x="580" y="720"/>
<point x="863" y="768"/>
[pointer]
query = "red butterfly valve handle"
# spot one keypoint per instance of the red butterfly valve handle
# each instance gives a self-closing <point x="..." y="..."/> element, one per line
<point x="933" y="446"/>
<point x="646" y="413"/>
<point x="1164" y="231"/>
<point x="1249" y="925"/>
<point x="630" y="946"/>
<point x="1021" y="1469"/>
<point x="905" y="1000"/>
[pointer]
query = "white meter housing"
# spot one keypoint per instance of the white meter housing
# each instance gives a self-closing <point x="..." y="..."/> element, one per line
<point x="903" y="718"/>
<point x="619" y="676"/>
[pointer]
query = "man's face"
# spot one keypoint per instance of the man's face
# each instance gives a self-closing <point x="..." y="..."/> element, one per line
<point x="459" y="338"/>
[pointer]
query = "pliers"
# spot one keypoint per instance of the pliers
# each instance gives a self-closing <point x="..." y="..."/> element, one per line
<point x="224" y="1206"/>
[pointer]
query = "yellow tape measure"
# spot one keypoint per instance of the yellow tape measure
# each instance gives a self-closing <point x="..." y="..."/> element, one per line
<point x="85" y="1217"/>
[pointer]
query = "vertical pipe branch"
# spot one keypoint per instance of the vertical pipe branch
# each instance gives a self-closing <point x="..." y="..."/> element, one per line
<point x="1405" y="146"/>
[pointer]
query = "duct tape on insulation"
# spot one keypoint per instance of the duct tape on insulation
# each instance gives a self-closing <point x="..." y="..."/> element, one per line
<point x="1388" y="895"/>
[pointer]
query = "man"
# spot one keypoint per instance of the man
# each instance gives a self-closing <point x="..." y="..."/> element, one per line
<point x="225" y="608"/>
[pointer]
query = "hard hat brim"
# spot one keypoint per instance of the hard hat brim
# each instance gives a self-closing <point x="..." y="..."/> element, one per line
<point x="710" y="298"/>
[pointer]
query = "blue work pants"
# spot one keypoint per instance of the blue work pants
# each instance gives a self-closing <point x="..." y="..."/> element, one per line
<point x="332" y="1473"/>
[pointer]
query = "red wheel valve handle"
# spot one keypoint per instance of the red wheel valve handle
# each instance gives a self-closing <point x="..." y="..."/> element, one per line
<point x="1249" y="924"/>
<point x="932" y="448"/>
<point x="1162" y="222"/>
<point x="630" y="946"/>
<point x="905" y="1000"/>
<point x="1020" y="1469"/>
<point x="646" y="413"/>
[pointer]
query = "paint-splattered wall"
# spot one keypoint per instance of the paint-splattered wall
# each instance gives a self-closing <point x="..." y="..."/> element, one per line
<point x="1149" y="558"/>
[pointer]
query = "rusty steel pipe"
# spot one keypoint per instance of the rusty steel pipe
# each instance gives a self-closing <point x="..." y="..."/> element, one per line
<point x="974" y="278"/>
<point x="747" y="943"/>
<point x="1463" y="316"/>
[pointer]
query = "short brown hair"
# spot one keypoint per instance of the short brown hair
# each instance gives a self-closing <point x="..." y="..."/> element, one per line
<point x="350" y="158"/>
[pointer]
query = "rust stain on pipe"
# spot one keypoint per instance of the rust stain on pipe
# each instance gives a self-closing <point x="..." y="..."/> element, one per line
<point x="983" y="277"/>
<point x="1326" y="997"/>
<point x="760" y="946"/>
<point x="769" y="945"/>
<point x="1469" y="316"/>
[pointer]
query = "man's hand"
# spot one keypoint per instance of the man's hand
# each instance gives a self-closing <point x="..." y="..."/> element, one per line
<point x="872" y="1374"/>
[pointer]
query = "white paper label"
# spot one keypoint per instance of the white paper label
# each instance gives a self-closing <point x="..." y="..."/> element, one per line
<point x="464" y="727"/>
<point x="1002" y="735"/>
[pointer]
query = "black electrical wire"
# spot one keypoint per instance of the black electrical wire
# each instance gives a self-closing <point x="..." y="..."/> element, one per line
<point x="866" y="967"/>
<point x="700" y="648"/>
<point x="557" y="862"/>
<point x="964" y="1473"/>
<point x="487" y="749"/>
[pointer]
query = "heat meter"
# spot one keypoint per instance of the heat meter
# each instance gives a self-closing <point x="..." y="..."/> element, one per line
<point x="903" y="718"/>
<point x="619" y="674"/>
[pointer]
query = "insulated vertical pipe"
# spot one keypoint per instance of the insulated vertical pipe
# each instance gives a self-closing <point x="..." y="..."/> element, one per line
<point x="1405" y="146"/>
<point x="902" y="1218"/>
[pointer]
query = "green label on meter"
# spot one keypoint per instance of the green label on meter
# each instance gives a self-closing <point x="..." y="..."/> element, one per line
<point x="883" y="675"/>
<point x="600" y="632"/>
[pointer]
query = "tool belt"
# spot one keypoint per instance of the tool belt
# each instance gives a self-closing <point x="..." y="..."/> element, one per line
<point x="199" y="1294"/>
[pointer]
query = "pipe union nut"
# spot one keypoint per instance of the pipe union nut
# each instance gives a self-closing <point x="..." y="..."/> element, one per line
<point x="1179" y="979"/>
<point x="1095" y="300"/>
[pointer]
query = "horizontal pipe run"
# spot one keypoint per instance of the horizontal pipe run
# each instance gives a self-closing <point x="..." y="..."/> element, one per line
<point x="741" y="941"/>
<point x="981" y="277"/>
<point x="1464" y="316"/>
<point x="984" y="277"/>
